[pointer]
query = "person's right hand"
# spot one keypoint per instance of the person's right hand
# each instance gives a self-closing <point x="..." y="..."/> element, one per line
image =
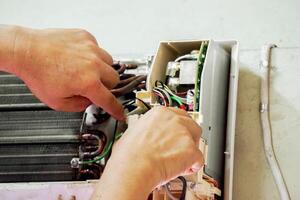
<point x="65" y="68"/>
<point x="162" y="145"/>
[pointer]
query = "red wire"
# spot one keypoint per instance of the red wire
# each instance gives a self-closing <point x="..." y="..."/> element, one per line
<point x="181" y="93"/>
<point x="163" y="98"/>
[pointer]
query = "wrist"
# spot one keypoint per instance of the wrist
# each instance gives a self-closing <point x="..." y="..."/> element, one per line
<point x="15" y="43"/>
<point x="127" y="179"/>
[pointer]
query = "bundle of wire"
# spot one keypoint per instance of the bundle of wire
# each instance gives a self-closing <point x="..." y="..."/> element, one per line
<point x="107" y="148"/>
<point x="167" y="97"/>
<point x="128" y="82"/>
<point x="183" y="192"/>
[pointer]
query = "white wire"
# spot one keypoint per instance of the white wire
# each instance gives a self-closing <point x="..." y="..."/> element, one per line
<point x="187" y="56"/>
<point x="265" y="122"/>
<point x="161" y="91"/>
<point x="166" y="88"/>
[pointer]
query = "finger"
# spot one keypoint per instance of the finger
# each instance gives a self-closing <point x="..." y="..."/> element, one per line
<point x="105" y="56"/>
<point x="197" y="163"/>
<point x="94" y="39"/>
<point x="102" y="97"/>
<point x="87" y="34"/>
<point x="179" y="111"/>
<point x="108" y="76"/>
<point x="198" y="160"/>
<point x="194" y="129"/>
<point x="72" y="104"/>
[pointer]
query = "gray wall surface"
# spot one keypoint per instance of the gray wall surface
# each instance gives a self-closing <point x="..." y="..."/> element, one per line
<point x="135" y="27"/>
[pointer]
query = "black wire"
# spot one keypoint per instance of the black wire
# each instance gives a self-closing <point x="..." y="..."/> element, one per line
<point x="144" y="103"/>
<point x="82" y="126"/>
<point x="183" y="192"/>
<point x="115" y="132"/>
<point x="114" y="138"/>
<point x="161" y="84"/>
<point x="127" y="101"/>
<point x="184" y="185"/>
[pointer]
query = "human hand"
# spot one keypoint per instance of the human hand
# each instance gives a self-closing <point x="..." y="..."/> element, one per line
<point x="66" y="69"/>
<point x="161" y="146"/>
<point x="168" y="138"/>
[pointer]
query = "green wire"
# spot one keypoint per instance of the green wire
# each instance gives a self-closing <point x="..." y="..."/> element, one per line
<point x="105" y="152"/>
<point x="177" y="100"/>
<point x="118" y="136"/>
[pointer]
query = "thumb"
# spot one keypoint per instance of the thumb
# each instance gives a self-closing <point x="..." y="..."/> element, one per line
<point x="197" y="164"/>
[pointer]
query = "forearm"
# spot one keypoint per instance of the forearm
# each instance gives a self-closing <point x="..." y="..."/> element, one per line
<point x="14" y="43"/>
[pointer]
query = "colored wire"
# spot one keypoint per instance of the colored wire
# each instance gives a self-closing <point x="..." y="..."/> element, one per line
<point x="157" y="93"/>
<point x="126" y="76"/>
<point x="129" y="87"/>
<point x="122" y="69"/>
<point x="173" y="94"/>
<point x="118" y="136"/>
<point x="126" y="81"/>
<point x="165" y="94"/>
<point x="187" y="57"/>
<point x="114" y="138"/>
<point x="184" y="186"/>
<point x="177" y="100"/>
<point x="161" y="85"/>
<point x="100" y="144"/>
<point x="144" y="103"/>
<point x="128" y="102"/>
<point x="169" y="193"/>
<point x="180" y="94"/>
<point x="106" y="150"/>
<point x="119" y="67"/>
<point x="183" y="192"/>
<point x="162" y="97"/>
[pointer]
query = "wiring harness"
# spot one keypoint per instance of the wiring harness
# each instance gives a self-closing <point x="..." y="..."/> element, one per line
<point x="167" y="97"/>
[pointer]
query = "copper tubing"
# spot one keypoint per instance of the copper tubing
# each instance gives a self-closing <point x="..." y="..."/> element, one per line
<point x="126" y="81"/>
<point x="131" y="66"/>
<point x="129" y="87"/>
<point x="100" y="144"/>
<point x="129" y="82"/>
<point x="119" y="67"/>
<point x="126" y="76"/>
<point x="122" y="69"/>
<point x="116" y="66"/>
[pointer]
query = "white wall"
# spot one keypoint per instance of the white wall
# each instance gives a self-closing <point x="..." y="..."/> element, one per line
<point x="136" y="26"/>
